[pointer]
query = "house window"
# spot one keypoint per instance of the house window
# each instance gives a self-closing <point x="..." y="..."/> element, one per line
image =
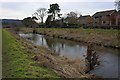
<point x="95" y="22"/>
<point x="103" y="22"/>
<point x="103" y="17"/>
<point x="96" y="17"/>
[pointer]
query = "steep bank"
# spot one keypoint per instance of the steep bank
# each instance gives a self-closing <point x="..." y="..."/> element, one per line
<point x="0" y="53"/>
<point x="60" y="65"/>
<point x="18" y="63"/>
<point x="103" y="37"/>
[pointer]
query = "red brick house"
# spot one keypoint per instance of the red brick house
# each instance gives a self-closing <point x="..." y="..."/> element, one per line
<point x="105" y="18"/>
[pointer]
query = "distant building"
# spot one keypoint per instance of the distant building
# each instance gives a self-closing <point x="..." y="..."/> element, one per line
<point x="85" y="20"/>
<point x="105" y="18"/>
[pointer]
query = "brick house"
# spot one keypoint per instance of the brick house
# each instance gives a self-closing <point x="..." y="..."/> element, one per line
<point x="85" y="20"/>
<point x="105" y="18"/>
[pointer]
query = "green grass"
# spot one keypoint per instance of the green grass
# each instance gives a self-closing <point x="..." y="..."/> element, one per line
<point x="81" y="30"/>
<point x="17" y="63"/>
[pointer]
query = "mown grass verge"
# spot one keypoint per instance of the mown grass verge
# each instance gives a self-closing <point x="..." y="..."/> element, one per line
<point x="16" y="62"/>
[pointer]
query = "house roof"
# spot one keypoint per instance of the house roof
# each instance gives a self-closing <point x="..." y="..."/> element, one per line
<point x="119" y="12"/>
<point x="104" y="13"/>
<point x="83" y="17"/>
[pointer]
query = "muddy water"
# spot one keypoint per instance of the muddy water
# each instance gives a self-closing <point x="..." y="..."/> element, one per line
<point x="73" y="50"/>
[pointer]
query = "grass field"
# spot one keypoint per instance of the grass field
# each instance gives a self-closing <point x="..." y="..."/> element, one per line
<point x="17" y="62"/>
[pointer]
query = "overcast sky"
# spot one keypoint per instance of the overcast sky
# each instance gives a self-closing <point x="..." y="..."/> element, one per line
<point x="14" y="9"/>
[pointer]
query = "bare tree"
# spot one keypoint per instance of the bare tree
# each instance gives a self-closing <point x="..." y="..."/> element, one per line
<point x="40" y="14"/>
<point x="72" y="17"/>
<point x="36" y="15"/>
<point x="117" y="4"/>
<point x="74" y="14"/>
<point x="78" y="14"/>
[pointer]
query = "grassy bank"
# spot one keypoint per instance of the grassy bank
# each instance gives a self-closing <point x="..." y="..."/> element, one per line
<point x="0" y="53"/>
<point x="105" y="37"/>
<point x="17" y="62"/>
<point x="62" y="66"/>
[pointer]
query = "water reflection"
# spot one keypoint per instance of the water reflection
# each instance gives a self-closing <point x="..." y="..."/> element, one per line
<point x="74" y="50"/>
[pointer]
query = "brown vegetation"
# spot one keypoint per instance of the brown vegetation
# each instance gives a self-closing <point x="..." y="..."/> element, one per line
<point x="102" y="37"/>
<point x="62" y="66"/>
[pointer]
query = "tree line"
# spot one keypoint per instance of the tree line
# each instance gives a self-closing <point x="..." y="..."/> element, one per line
<point x="53" y="17"/>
